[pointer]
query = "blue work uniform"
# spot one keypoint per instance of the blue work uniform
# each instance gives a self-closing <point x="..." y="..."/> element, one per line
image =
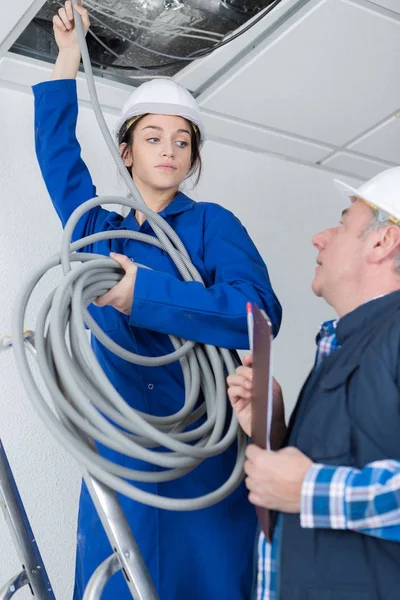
<point x="199" y="555"/>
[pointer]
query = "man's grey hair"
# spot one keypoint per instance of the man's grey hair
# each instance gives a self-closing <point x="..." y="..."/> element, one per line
<point x="381" y="219"/>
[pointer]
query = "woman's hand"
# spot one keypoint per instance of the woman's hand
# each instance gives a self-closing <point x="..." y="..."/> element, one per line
<point x="121" y="295"/>
<point x="69" y="56"/>
<point x="64" y="25"/>
<point x="240" y="390"/>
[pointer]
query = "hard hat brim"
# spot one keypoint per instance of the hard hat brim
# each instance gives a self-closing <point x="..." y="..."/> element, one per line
<point x="349" y="192"/>
<point x="161" y="109"/>
<point x="346" y="190"/>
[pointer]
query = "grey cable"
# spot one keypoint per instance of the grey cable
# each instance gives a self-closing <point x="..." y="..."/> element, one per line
<point x="85" y="403"/>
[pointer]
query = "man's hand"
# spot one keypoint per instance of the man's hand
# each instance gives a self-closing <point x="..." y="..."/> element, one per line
<point x="275" y="479"/>
<point x="121" y="295"/>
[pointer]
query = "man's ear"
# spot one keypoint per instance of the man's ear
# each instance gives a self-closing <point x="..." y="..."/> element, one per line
<point x="126" y="154"/>
<point x="387" y="244"/>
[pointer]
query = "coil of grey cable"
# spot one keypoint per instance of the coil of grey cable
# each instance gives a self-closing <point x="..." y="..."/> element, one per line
<point x="81" y="405"/>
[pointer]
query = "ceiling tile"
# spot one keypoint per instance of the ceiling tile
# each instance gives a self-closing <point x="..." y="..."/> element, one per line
<point x="383" y="142"/>
<point x="393" y="5"/>
<point x="348" y="163"/>
<point x="251" y="135"/>
<point x="320" y="79"/>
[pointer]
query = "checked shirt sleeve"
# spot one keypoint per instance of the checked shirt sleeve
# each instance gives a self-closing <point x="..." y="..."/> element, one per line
<point x="367" y="500"/>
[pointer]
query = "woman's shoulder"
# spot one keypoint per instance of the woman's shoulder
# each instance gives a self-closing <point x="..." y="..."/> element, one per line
<point x="212" y="210"/>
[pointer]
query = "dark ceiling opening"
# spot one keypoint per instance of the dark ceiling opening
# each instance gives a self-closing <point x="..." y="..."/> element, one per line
<point x="145" y="36"/>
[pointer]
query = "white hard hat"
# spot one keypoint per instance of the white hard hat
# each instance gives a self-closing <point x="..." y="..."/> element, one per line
<point x="382" y="191"/>
<point x="162" y="97"/>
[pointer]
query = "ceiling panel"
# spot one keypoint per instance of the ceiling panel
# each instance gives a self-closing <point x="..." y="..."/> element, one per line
<point x="363" y="167"/>
<point x="14" y="19"/>
<point x="198" y="75"/>
<point x="383" y="142"/>
<point x="393" y="5"/>
<point x="321" y="79"/>
<point x="252" y="135"/>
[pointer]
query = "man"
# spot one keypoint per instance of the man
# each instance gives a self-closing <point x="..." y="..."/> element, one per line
<point x="334" y="486"/>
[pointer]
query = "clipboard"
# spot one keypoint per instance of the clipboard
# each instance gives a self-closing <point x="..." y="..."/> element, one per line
<point x="262" y="398"/>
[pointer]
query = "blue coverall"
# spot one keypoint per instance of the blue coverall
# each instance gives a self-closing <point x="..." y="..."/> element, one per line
<point x="200" y="555"/>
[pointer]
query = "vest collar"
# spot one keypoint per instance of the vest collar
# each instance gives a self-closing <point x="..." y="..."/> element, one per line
<point x="372" y="312"/>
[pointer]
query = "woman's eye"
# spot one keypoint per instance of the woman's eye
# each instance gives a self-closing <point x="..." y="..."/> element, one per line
<point x="182" y="144"/>
<point x="153" y="140"/>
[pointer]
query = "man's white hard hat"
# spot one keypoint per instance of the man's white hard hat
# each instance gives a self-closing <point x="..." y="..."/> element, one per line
<point x="162" y="97"/>
<point x="381" y="192"/>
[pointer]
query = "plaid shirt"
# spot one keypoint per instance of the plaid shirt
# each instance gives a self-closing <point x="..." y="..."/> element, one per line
<point x="326" y="341"/>
<point x="367" y="501"/>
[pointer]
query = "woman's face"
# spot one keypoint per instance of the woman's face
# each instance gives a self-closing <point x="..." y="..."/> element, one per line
<point x="160" y="154"/>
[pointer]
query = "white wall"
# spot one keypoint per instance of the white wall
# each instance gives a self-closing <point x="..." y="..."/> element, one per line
<point x="281" y="204"/>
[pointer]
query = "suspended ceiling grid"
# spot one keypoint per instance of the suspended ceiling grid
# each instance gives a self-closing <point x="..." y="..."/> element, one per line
<point x="316" y="82"/>
<point x="321" y="88"/>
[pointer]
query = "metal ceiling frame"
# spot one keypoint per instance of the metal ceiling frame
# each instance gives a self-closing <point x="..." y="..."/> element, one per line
<point x="217" y="65"/>
<point x="20" y="14"/>
<point x="281" y="26"/>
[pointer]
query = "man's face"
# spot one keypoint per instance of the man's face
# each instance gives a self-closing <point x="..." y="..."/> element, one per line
<point x="341" y="254"/>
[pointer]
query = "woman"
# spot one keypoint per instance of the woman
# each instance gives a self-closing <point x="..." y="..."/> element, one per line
<point x="203" y="555"/>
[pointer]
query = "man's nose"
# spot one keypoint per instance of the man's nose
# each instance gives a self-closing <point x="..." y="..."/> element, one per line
<point x="319" y="240"/>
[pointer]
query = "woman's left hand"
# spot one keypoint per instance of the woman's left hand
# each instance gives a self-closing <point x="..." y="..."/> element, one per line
<point x="121" y="295"/>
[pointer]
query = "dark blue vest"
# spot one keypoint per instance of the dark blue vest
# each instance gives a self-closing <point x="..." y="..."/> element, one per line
<point x="348" y="414"/>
